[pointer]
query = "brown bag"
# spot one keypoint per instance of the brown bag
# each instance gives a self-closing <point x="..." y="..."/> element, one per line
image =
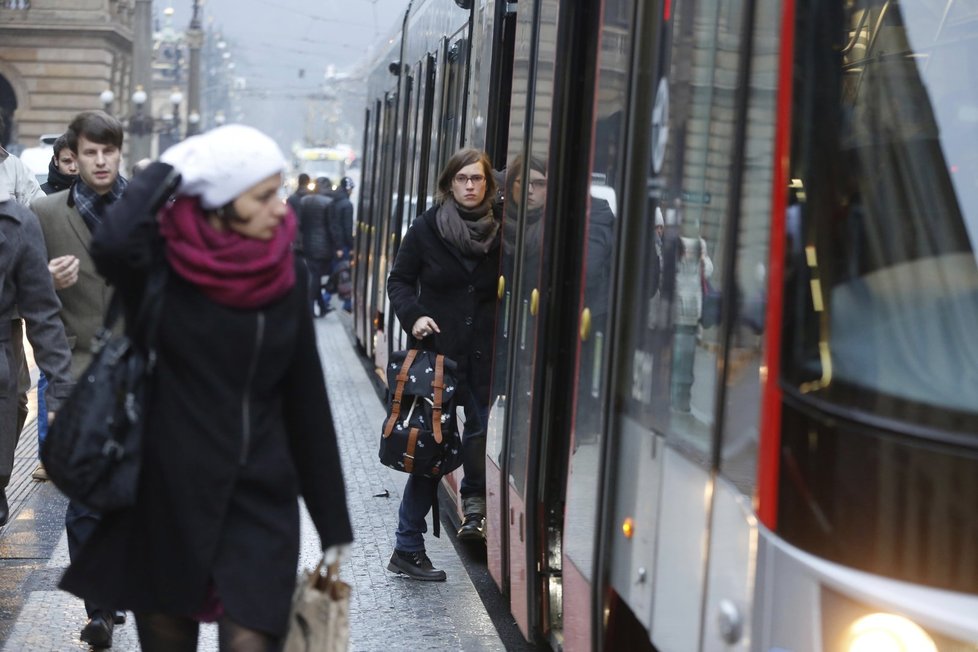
<point x="320" y="617"/>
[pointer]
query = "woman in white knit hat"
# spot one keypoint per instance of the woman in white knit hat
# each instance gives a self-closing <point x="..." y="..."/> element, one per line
<point x="238" y="423"/>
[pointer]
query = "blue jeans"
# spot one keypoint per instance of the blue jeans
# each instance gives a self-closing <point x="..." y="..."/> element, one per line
<point x="42" y="411"/>
<point x="420" y="492"/>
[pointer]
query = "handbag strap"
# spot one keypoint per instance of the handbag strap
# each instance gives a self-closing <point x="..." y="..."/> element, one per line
<point x="402" y="377"/>
<point x="438" y="385"/>
<point x="147" y="317"/>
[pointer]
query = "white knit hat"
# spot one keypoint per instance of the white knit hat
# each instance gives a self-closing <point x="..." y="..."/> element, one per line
<point x="220" y="164"/>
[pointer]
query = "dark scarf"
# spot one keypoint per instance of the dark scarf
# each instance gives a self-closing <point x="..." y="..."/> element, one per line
<point x="231" y="269"/>
<point x="90" y="204"/>
<point x="57" y="180"/>
<point x="532" y="236"/>
<point x="472" y="231"/>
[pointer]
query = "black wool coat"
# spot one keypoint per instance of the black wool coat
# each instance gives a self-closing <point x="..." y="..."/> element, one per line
<point x="432" y="278"/>
<point x="238" y="427"/>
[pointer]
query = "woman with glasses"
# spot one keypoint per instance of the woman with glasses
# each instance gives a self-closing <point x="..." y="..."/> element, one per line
<point x="443" y="288"/>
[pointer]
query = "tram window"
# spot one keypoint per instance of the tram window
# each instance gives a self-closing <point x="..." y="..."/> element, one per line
<point x="881" y="292"/>
<point x="741" y="427"/>
<point x="594" y="341"/>
<point x="524" y="229"/>
<point x="887" y="222"/>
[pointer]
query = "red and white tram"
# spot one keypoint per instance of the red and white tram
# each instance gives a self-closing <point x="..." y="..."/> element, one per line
<point x="735" y="394"/>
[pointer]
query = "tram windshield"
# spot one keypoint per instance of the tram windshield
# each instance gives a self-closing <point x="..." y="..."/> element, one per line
<point x="884" y="221"/>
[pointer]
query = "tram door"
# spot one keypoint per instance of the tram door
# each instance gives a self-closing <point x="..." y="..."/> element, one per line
<point x="382" y="219"/>
<point x="362" y="261"/>
<point x="594" y="336"/>
<point x="680" y="530"/>
<point x="514" y="414"/>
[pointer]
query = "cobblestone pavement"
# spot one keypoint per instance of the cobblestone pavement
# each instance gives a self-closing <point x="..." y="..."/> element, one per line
<point x="387" y="612"/>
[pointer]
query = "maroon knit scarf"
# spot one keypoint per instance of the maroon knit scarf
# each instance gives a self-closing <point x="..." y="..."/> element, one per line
<point x="231" y="269"/>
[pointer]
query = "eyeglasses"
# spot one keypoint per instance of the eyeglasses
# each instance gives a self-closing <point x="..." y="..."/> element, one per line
<point x="463" y="179"/>
<point x="536" y="184"/>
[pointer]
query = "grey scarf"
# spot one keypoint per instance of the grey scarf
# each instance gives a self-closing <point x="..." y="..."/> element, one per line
<point x="473" y="232"/>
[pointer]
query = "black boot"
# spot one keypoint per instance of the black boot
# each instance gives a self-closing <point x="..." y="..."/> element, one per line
<point x="97" y="632"/>
<point x="415" y="565"/>
<point x="4" y="507"/>
<point x="474" y="526"/>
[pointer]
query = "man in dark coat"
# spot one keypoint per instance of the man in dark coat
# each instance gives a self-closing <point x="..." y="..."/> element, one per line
<point x="317" y="243"/>
<point x="68" y="219"/>
<point x="26" y="284"/>
<point x="63" y="168"/>
<point x="341" y="227"/>
<point x="302" y="189"/>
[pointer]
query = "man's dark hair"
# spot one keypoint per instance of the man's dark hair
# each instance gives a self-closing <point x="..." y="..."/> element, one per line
<point x="97" y="126"/>
<point x="60" y="144"/>
<point x="303" y="181"/>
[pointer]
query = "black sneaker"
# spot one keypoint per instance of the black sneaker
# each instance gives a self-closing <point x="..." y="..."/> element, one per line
<point x="119" y="617"/>
<point x="98" y="631"/>
<point x="415" y="565"/>
<point x="473" y="528"/>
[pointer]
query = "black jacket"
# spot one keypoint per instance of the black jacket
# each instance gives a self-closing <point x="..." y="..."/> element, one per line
<point x="341" y="224"/>
<point x="239" y="425"/>
<point x="430" y="279"/>
<point x="314" y="215"/>
<point x="57" y="180"/>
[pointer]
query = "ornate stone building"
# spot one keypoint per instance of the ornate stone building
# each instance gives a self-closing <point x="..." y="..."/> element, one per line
<point x="56" y="58"/>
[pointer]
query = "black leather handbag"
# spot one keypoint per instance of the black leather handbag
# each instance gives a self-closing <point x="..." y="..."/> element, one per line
<point x="420" y="434"/>
<point x="92" y="449"/>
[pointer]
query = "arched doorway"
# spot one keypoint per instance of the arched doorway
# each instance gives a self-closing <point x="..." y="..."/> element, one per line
<point x="8" y="105"/>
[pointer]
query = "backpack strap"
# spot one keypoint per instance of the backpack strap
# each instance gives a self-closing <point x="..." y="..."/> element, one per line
<point x="402" y="377"/>
<point x="409" y="451"/>
<point x="438" y="385"/>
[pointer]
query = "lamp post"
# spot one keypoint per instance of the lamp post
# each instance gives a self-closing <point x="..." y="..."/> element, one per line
<point x="107" y="97"/>
<point x="140" y="126"/>
<point x="176" y="97"/>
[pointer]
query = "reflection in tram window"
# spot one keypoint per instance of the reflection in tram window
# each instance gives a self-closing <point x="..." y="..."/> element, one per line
<point x="594" y="339"/>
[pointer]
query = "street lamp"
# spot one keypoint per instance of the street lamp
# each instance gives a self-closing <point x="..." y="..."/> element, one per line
<point x="140" y="124"/>
<point x="193" y="123"/>
<point x="176" y="97"/>
<point x="107" y="97"/>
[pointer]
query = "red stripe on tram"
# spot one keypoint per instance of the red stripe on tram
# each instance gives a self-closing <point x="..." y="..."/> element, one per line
<point x="770" y="445"/>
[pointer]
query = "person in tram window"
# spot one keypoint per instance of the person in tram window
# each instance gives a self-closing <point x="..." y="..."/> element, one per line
<point x="442" y="286"/>
<point x="693" y="266"/>
<point x="238" y="422"/>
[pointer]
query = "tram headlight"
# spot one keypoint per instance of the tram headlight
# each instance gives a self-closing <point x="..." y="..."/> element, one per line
<point x="851" y="626"/>
<point x="883" y="632"/>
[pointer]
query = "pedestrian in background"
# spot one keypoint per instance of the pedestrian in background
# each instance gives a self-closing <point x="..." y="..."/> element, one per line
<point x="238" y="421"/>
<point x="315" y="215"/>
<point x="25" y="286"/>
<point x="62" y="169"/>
<point x="62" y="173"/>
<point x="443" y="288"/>
<point x="68" y="219"/>
<point x="18" y="183"/>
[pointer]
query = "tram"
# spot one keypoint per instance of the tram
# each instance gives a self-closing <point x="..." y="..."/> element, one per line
<point x="735" y="401"/>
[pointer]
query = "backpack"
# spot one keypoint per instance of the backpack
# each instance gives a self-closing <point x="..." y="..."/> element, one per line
<point x="420" y="434"/>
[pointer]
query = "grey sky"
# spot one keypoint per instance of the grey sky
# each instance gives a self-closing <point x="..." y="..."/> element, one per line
<point x="272" y="40"/>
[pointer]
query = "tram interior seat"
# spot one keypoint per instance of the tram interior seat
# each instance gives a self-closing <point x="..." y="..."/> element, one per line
<point x="907" y="331"/>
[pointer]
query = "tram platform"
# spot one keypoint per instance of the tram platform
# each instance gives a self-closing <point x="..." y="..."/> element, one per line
<point x="387" y="612"/>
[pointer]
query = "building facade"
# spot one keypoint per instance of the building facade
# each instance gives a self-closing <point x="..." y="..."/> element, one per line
<point x="56" y="58"/>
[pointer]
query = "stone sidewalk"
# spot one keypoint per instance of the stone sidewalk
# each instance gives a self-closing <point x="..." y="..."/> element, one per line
<point x="387" y="612"/>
